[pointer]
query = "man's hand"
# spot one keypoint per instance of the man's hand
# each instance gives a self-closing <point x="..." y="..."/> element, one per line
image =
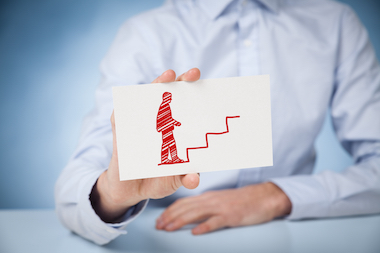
<point x="226" y="208"/>
<point x="177" y="123"/>
<point x="111" y="197"/>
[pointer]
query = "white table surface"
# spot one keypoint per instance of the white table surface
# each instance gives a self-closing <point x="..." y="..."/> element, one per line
<point x="40" y="231"/>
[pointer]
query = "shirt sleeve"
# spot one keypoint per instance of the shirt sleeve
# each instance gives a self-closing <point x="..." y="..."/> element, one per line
<point x="355" y="112"/>
<point x="127" y="62"/>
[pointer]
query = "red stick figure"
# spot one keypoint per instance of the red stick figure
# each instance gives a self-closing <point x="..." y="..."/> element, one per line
<point x="165" y="125"/>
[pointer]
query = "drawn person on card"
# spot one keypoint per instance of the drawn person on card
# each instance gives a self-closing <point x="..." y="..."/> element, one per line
<point x="165" y="125"/>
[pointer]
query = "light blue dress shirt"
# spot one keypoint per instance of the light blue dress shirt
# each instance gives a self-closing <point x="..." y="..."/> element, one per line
<point x="318" y="56"/>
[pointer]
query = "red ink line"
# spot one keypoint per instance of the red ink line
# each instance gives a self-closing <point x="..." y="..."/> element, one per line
<point x="227" y="131"/>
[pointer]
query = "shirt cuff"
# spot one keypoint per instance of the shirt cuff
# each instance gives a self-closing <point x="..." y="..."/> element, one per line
<point x="97" y="230"/>
<point x="308" y="196"/>
<point x="130" y="215"/>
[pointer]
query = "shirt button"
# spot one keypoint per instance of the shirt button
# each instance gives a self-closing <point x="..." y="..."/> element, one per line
<point x="247" y="43"/>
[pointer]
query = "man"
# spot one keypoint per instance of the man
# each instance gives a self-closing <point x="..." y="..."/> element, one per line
<point x="319" y="58"/>
<point x="165" y="125"/>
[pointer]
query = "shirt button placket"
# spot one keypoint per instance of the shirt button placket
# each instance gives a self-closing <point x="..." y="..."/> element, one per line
<point x="248" y="61"/>
<point x="248" y="56"/>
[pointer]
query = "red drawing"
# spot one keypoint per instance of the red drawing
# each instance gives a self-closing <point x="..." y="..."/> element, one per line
<point x="165" y="125"/>
<point x="207" y="134"/>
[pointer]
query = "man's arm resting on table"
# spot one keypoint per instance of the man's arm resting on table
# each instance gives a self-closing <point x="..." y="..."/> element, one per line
<point x="248" y="205"/>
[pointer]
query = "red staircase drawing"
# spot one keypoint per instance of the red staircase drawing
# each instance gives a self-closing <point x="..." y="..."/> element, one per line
<point x="207" y="134"/>
<point x="202" y="147"/>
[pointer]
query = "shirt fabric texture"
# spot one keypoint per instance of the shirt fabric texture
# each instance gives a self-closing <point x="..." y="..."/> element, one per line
<point x="319" y="58"/>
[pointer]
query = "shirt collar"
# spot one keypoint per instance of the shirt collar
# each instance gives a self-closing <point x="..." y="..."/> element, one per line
<point x="215" y="7"/>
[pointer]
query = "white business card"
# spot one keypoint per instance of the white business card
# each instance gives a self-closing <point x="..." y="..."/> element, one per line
<point x="177" y="128"/>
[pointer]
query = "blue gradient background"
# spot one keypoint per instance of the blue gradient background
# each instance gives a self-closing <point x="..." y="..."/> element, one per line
<point x="50" y="51"/>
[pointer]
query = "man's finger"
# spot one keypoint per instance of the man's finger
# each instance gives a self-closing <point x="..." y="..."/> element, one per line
<point x="190" y="181"/>
<point x="166" y="77"/>
<point x="190" y="76"/>
<point x="193" y="215"/>
<point x="113" y="133"/>
<point x="213" y="223"/>
<point x="175" y="210"/>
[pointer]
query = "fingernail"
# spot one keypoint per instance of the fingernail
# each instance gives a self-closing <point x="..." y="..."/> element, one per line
<point x="170" y="226"/>
<point x="197" y="230"/>
<point x="160" y="223"/>
<point x="166" y="71"/>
